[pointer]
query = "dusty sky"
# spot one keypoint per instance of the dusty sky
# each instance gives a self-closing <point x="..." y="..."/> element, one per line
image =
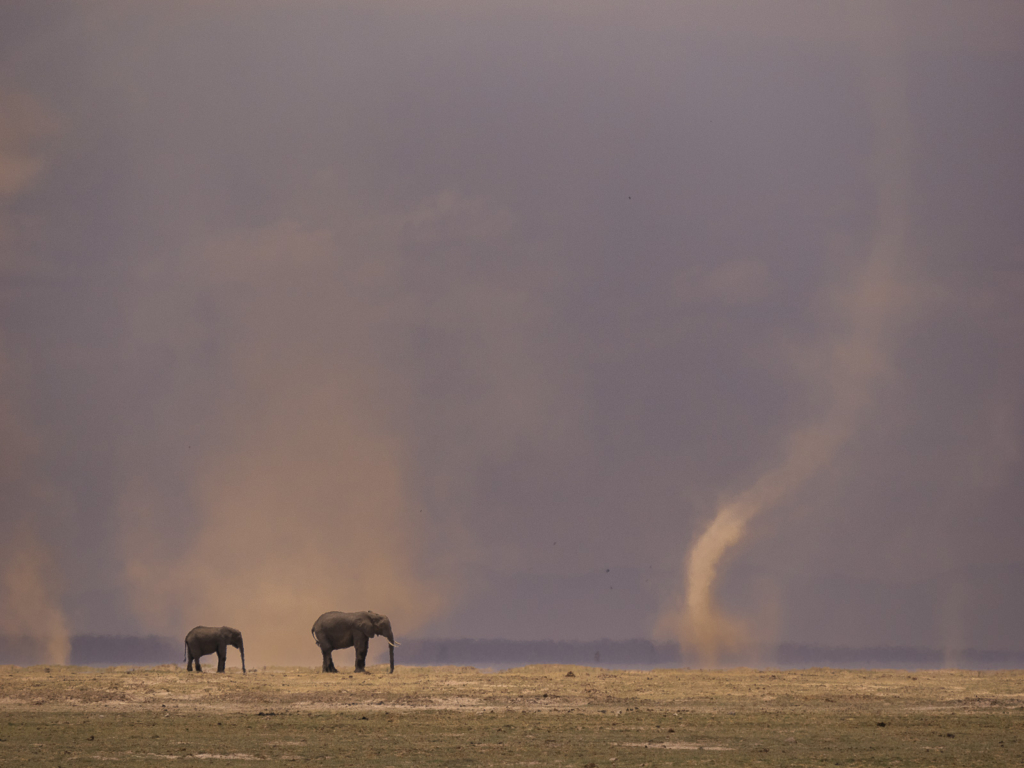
<point x="477" y="314"/>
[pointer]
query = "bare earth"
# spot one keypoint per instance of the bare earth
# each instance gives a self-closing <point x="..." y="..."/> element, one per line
<point x="540" y="715"/>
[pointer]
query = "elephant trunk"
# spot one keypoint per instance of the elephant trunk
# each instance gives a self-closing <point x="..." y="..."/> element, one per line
<point x="241" y="650"/>
<point x="391" y="649"/>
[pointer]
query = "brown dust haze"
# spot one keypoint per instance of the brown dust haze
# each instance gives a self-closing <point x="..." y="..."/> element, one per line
<point x="302" y="504"/>
<point x="871" y="311"/>
<point x="479" y="316"/>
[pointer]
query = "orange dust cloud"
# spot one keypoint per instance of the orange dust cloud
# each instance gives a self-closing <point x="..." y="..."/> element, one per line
<point x="299" y="500"/>
<point x="850" y="365"/>
<point x="30" y="595"/>
<point x="26" y="126"/>
<point x="304" y="519"/>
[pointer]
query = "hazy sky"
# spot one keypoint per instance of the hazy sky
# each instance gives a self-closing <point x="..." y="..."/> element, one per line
<point x="477" y="313"/>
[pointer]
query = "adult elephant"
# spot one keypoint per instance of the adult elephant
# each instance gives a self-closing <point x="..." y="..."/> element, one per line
<point x="334" y="630"/>
<point x="203" y="641"/>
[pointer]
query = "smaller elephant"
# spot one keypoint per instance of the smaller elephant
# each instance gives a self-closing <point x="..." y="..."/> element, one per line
<point x="335" y="629"/>
<point x="202" y="641"/>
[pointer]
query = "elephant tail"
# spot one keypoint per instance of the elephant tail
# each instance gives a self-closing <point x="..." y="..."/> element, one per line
<point x="184" y="655"/>
<point x="312" y="631"/>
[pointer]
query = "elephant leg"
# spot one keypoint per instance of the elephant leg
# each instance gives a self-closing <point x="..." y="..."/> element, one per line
<point x="188" y="656"/>
<point x="222" y="657"/>
<point x="362" y="645"/>
<point x="328" y="662"/>
<point x="198" y="668"/>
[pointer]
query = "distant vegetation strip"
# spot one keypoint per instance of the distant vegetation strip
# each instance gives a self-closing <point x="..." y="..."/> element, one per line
<point x="644" y="653"/>
<point x="153" y="649"/>
<point x="96" y="649"/>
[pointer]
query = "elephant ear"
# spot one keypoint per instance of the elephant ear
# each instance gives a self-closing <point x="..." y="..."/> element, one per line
<point x="378" y="621"/>
<point x="366" y="625"/>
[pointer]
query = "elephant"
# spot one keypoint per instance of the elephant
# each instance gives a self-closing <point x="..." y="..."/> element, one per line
<point x="335" y="629"/>
<point x="205" y="640"/>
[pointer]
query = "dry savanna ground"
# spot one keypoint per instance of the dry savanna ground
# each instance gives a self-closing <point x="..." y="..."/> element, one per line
<point x="540" y="715"/>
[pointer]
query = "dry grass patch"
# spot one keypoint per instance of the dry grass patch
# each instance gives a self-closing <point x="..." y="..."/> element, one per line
<point x="448" y="716"/>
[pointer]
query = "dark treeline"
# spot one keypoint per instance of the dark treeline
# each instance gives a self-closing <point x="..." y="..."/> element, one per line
<point x="119" y="649"/>
<point x="893" y="657"/>
<point x="506" y="652"/>
<point x="127" y="650"/>
<point x="96" y="649"/>
<point x="646" y="653"/>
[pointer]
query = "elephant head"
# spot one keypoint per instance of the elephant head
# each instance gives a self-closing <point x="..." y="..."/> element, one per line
<point x="381" y="625"/>
<point x="234" y="638"/>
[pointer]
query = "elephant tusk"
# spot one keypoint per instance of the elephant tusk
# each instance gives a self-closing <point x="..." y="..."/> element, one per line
<point x="393" y="645"/>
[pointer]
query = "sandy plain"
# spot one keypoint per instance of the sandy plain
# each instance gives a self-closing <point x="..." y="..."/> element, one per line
<point x="538" y="715"/>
